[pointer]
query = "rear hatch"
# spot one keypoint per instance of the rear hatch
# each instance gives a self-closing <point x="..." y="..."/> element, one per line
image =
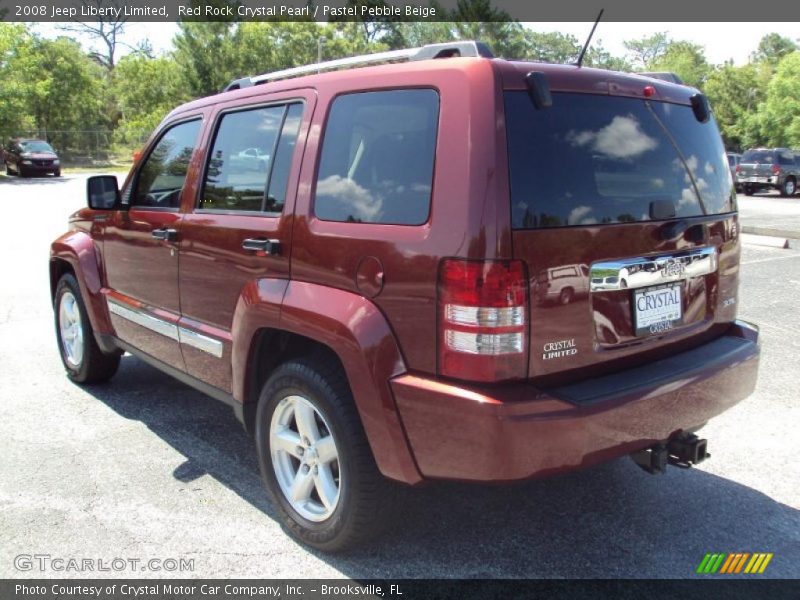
<point x="756" y="166"/>
<point x="623" y="210"/>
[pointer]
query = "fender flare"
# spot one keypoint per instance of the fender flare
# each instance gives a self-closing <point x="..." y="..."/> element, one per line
<point x="77" y="249"/>
<point x="357" y="332"/>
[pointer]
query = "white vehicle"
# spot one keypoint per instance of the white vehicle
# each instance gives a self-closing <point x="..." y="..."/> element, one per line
<point x="562" y="284"/>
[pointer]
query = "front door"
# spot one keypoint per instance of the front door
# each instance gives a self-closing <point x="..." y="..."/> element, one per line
<point x="140" y="247"/>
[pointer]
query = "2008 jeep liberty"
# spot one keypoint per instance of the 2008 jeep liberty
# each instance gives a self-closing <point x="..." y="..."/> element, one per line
<point x="352" y="259"/>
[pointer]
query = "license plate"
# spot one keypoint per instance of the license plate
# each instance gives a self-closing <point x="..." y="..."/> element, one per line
<point x="658" y="309"/>
<point x="756" y="180"/>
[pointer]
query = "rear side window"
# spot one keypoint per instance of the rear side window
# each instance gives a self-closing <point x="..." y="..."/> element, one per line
<point x="377" y="158"/>
<point x="160" y="180"/>
<point x="602" y="159"/>
<point x="785" y="158"/>
<point x="248" y="148"/>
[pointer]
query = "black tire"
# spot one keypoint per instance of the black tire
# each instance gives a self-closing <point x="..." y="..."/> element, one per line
<point x="789" y="187"/>
<point x="565" y="297"/>
<point x="363" y="502"/>
<point x="748" y="190"/>
<point x="8" y="170"/>
<point x="57" y="173"/>
<point x="94" y="366"/>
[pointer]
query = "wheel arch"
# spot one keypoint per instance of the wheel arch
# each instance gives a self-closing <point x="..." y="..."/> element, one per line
<point x="75" y="253"/>
<point x="300" y="319"/>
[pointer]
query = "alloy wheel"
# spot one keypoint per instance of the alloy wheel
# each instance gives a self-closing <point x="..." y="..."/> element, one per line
<point x="305" y="458"/>
<point x="70" y="329"/>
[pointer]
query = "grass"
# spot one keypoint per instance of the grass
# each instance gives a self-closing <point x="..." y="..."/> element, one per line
<point x="113" y="168"/>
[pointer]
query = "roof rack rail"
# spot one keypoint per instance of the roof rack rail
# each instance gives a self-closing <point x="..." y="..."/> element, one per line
<point x="429" y="51"/>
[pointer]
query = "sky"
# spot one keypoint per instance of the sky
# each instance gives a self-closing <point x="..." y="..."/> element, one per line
<point x="722" y="41"/>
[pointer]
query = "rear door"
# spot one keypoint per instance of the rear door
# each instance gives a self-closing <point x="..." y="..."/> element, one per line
<point x="239" y="228"/>
<point x="642" y="194"/>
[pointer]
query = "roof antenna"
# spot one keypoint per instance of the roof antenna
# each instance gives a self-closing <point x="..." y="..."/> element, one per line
<point x="589" y="39"/>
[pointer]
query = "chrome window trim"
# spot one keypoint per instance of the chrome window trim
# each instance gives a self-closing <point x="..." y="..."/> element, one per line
<point x="642" y="271"/>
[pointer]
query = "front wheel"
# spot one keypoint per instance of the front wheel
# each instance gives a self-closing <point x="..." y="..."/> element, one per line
<point x="314" y="457"/>
<point x="80" y="354"/>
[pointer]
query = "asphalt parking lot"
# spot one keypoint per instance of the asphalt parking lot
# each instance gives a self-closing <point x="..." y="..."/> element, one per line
<point x="146" y="467"/>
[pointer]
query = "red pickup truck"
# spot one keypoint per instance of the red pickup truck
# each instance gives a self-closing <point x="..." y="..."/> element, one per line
<point x="364" y="296"/>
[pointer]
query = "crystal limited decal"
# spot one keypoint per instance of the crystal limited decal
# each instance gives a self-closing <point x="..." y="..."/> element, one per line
<point x="559" y="349"/>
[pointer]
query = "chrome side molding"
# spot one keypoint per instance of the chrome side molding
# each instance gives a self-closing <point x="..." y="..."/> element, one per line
<point x="174" y="332"/>
<point x="200" y="341"/>
<point x="145" y="320"/>
<point x="641" y="272"/>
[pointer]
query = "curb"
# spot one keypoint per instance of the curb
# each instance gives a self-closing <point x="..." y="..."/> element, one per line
<point x="791" y="239"/>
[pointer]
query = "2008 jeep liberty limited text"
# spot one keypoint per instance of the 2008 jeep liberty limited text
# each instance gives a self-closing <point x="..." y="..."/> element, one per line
<point x="353" y="259"/>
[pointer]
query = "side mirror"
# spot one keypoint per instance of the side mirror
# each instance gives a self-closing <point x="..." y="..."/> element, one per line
<point x="102" y="192"/>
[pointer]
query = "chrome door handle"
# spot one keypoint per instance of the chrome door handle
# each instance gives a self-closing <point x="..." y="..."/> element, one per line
<point x="266" y="246"/>
<point x="168" y="235"/>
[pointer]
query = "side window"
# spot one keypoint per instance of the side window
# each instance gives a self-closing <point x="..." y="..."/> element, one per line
<point x="785" y="158"/>
<point x="279" y="178"/>
<point x="161" y="178"/>
<point x="250" y="159"/>
<point x="376" y="164"/>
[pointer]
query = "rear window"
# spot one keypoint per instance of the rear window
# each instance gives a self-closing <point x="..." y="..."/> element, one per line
<point x="759" y="156"/>
<point x="601" y="159"/>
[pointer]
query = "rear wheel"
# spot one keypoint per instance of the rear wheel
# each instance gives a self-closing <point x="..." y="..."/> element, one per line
<point x="789" y="187"/>
<point x="748" y="190"/>
<point x="565" y="297"/>
<point x="82" y="357"/>
<point x="315" y="459"/>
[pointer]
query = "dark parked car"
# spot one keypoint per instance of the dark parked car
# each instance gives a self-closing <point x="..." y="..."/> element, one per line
<point x="769" y="168"/>
<point x="26" y="157"/>
<point x="365" y="301"/>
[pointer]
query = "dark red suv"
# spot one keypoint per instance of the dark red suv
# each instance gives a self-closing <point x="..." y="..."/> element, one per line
<point x="363" y="294"/>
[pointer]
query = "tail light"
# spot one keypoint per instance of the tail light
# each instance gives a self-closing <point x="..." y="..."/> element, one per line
<point x="776" y="169"/>
<point x="483" y="319"/>
<point x="738" y="169"/>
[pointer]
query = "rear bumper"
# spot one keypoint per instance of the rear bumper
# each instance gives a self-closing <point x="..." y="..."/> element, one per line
<point x="518" y="431"/>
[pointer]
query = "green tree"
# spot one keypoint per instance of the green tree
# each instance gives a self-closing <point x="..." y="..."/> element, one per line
<point x="146" y="89"/>
<point x="686" y="59"/>
<point x="551" y="47"/>
<point x="205" y="54"/>
<point x="14" y="114"/>
<point x="779" y="114"/>
<point x="735" y="93"/>
<point x="645" y="50"/>
<point x="772" y="48"/>
<point x="64" y="88"/>
<point x="598" y="56"/>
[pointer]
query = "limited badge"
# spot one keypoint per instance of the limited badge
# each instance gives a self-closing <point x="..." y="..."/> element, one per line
<point x="559" y="349"/>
